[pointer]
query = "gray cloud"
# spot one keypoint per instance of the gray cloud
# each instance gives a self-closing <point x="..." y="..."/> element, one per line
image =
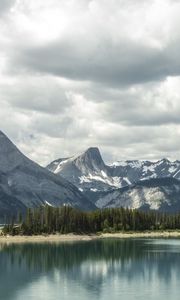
<point x="36" y="94"/>
<point x="5" y="5"/>
<point x="116" y="65"/>
<point x="144" y="108"/>
<point x="118" y="49"/>
<point x="75" y="74"/>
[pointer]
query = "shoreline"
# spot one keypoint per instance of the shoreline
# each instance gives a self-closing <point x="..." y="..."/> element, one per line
<point x="73" y="237"/>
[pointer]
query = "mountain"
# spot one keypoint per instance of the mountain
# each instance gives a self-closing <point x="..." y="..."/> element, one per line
<point x="89" y="172"/>
<point x="162" y="194"/>
<point x="136" y="170"/>
<point x="131" y="183"/>
<point x="24" y="183"/>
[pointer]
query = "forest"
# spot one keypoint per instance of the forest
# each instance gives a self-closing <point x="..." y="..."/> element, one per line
<point x="51" y="220"/>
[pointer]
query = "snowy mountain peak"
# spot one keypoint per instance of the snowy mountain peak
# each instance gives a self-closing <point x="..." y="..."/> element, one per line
<point x="124" y="163"/>
<point x="165" y="160"/>
<point x="93" y="152"/>
<point x="89" y="172"/>
<point x="91" y="159"/>
<point x="86" y="162"/>
<point x="83" y="169"/>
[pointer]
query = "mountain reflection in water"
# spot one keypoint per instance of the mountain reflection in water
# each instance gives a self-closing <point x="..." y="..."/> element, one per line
<point x="101" y="268"/>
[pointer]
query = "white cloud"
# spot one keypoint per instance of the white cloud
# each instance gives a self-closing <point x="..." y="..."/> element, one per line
<point x="76" y="73"/>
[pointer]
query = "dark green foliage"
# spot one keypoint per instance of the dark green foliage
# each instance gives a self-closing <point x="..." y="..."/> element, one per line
<point x="47" y="219"/>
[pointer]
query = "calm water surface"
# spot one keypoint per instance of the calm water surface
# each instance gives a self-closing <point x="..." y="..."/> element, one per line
<point x="107" y="269"/>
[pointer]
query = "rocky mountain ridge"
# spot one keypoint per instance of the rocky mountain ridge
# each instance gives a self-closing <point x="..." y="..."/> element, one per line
<point x="23" y="183"/>
<point x="131" y="183"/>
<point x="88" y="171"/>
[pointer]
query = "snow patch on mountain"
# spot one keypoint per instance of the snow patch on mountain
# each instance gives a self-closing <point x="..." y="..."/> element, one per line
<point x="59" y="166"/>
<point x="118" y="164"/>
<point x="49" y="204"/>
<point x="89" y="172"/>
<point x="172" y="169"/>
<point x="110" y="181"/>
<point x="150" y="168"/>
<point x="137" y="198"/>
<point x="93" y="190"/>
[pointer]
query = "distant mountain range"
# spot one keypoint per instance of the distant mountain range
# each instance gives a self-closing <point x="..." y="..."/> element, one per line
<point x="84" y="181"/>
<point x="131" y="183"/>
<point x="24" y="183"/>
<point x="89" y="172"/>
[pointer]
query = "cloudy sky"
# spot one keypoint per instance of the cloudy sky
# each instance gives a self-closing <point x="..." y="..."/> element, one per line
<point x="80" y="73"/>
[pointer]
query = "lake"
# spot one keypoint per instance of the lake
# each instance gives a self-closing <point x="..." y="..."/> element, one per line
<point x="107" y="269"/>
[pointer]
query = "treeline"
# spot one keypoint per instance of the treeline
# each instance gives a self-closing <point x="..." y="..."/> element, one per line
<point x="47" y="219"/>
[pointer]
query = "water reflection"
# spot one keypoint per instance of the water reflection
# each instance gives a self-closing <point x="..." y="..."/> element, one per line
<point x="93" y="267"/>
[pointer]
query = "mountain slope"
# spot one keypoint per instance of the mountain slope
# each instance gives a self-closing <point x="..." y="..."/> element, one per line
<point x="24" y="183"/>
<point x="156" y="194"/>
